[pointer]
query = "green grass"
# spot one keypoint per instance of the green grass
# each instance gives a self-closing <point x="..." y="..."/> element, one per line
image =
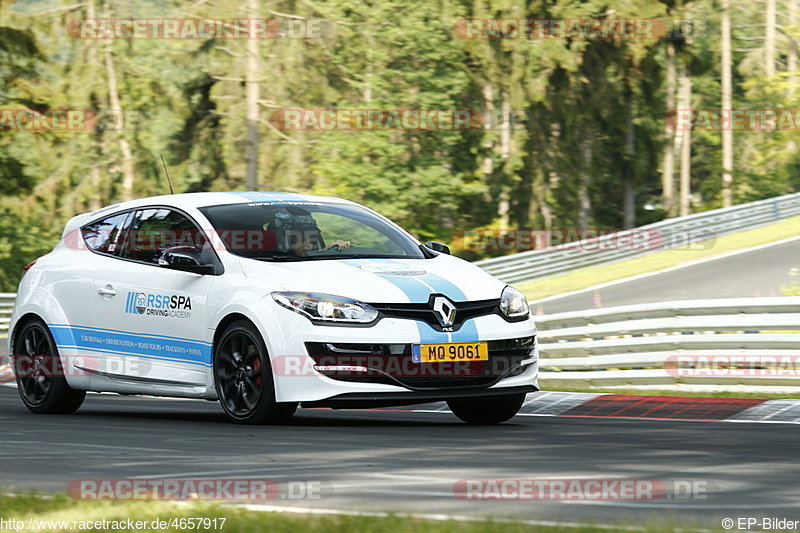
<point x="61" y="507"/>
<point x="588" y="277"/>
<point x="667" y="392"/>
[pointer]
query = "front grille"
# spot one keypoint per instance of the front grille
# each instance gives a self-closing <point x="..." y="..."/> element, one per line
<point x="424" y="312"/>
<point x="392" y="364"/>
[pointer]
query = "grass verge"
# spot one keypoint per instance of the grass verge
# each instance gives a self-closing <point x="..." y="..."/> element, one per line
<point x="238" y="520"/>
<point x="588" y="277"/>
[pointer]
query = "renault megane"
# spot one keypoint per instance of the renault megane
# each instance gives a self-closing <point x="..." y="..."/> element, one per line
<point x="264" y="301"/>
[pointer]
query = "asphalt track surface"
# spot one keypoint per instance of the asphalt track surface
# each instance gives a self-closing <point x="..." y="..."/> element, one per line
<point x="410" y="461"/>
<point x="750" y="274"/>
<point x="405" y="461"/>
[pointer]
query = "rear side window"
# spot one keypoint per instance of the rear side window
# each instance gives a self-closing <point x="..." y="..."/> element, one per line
<point x="154" y="230"/>
<point x="103" y="236"/>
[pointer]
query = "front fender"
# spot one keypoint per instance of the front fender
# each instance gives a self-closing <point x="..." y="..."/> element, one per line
<point x="258" y="309"/>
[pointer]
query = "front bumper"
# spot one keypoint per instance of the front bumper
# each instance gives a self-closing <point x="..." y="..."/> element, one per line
<point x="297" y="379"/>
<point x="394" y="364"/>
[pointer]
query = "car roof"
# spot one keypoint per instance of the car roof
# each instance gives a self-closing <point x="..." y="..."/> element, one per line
<point x="194" y="200"/>
<point x="204" y="199"/>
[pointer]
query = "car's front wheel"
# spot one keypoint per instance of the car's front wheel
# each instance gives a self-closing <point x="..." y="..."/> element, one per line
<point x="487" y="410"/>
<point x="243" y="378"/>
<point x="40" y="372"/>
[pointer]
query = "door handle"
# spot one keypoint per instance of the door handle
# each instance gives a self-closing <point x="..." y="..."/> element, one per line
<point x="108" y="291"/>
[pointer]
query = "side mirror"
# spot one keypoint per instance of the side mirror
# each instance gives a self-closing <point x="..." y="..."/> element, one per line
<point x="438" y="247"/>
<point x="184" y="260"/>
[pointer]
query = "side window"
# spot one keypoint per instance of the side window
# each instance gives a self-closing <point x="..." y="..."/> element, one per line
<point x="154" y="230"/>
<point x="103" y="236"/>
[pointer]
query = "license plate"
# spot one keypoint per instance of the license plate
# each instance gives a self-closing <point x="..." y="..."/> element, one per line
<point x="451" y="351"/>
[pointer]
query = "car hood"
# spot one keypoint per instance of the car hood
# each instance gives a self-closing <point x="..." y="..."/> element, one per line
<point x="381" y="280"/>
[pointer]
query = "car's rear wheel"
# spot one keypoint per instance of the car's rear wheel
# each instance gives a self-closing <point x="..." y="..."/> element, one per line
<point x="487" y="410"/>
<point x="40" y="372"/>
<point x="243" y="378"/>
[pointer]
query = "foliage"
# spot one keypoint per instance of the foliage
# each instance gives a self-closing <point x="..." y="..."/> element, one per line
<point x="575" y="134"/>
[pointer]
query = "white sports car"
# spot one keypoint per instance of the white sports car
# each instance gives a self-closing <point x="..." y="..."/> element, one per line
<point x="264" y="301"/>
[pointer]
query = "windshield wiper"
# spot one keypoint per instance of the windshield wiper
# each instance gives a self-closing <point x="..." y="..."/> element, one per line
<point x="356" y="256"/>
<point x="280" y="257"/>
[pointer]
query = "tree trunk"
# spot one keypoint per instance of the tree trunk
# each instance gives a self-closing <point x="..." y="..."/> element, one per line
<point x="628" y="187"/>
<point x="727" y="132"/>
<point x="487" y="165"/>
<point x="769" y="39"/>
<point x="686" y="147"/>
<point x="128" y="172"/>
<point x="668" y="167"/>
<point x="252" y="95"/>
<point x="584" y="199"/>
<point x="95" y="178"/>
<point x="549" y="178"/>
<point x="504" y="205"/>
<point x="791" y="56"/>
<point x="539" y="208"/>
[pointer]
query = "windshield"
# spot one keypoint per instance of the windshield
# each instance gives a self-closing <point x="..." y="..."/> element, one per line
<point x="302" y="231"/>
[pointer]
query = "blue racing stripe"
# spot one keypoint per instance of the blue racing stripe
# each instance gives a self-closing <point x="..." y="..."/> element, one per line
<point x="417" y="290"/>
<point x="148" y="335"/>
<point x="132" y="343"/>
<point x="292" y="197"/>
<point x="83" y="348"/>
<point x="468" y="332"/>
<point x="255" y="196"/>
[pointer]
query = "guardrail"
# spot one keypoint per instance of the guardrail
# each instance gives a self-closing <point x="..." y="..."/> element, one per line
<point x="750" y="342"/>
<point x="671" y="233"/>
<point x="661" y="344"/>
<point x="6" y="307"/>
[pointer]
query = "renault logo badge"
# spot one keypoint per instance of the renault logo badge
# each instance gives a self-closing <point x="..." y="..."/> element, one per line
<point x="445" y="311"/>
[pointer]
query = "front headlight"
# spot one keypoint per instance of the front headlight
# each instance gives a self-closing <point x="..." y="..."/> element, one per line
<point x="513" y="303"/>
<point x="326" y="307"/>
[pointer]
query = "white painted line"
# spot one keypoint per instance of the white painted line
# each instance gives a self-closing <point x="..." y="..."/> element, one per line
<point x="662" y="271"/>
<point x="762" y="421"/>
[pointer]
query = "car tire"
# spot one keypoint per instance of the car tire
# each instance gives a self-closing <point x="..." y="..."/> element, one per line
<point x="487" y="410"/>
<point x="243" y="377"/>
<point x="39" y="372"/>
